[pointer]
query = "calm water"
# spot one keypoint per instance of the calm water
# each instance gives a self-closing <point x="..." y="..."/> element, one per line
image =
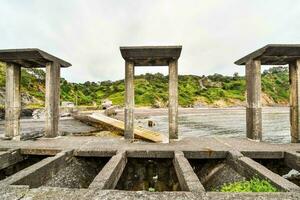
<point x="226" y="123"/>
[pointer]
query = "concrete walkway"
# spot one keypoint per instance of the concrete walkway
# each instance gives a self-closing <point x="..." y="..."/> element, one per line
<point x="67" y="125"/>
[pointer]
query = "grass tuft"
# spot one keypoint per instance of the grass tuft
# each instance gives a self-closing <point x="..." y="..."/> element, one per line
<point x="253" y="185"/>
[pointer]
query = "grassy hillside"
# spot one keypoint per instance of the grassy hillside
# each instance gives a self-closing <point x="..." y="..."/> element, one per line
<point x="152" y="89"/>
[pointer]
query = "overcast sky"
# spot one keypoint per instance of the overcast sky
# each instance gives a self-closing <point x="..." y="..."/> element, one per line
<point x="88" y="33"/>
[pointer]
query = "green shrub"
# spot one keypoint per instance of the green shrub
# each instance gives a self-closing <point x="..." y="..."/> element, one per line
<point x="253" y="185"/>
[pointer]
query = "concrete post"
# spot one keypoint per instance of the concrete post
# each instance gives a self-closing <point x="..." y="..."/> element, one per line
<point x="12" y="101"/>
<point x="294" y="72"/>
<point x="173" y="100"/>
<point x="129" y="100"/>
<point x="52" y="99"/>
<point x="253" y="110"/>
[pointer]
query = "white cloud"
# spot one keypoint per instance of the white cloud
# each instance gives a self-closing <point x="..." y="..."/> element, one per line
<point x="88" y="33"/>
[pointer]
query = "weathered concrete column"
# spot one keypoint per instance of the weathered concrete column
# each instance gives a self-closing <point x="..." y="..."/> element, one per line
<point x="294" y="72"/>
<point x="129" y="100"/>
<point x="52" y="99"/>
<point x="253" y="110"/>
<point x="173" y="100"/>
<point x="12" y="101"/>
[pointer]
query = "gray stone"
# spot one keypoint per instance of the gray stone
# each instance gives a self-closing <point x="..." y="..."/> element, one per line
<point x="111" y="111"/>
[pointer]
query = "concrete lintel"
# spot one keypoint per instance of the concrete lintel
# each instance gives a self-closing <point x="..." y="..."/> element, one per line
<point x="38" y="173"/>
<point x="40" y="151"/>
<point x="273" y="54"/>
<point x="111" y="172"/>
<point x="250" y="168"/>
<point x="292" y="159"/>
<point x="10" y="157"/>
<point x="150" y="154"/>
<point x="200" y="154"/>
<point x="264" y="154"/>
<point x="95" y="153"/>
<point x="30" y="57"/>
<point x="187" y="178"/>
<point x="151" y="55"/>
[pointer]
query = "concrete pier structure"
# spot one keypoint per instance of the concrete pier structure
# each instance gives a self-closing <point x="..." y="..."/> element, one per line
<point x="253" y="110"/>
<point x="129" y="100"/>
<point x="151" y="56"/>
<point x="272" y="54"/>
<point x="31" y="58"/>
<point x="294" y="69"/>
<point x="13" y="100"/>
<point x="52" y="98"/>
<point x="173" y="99"/>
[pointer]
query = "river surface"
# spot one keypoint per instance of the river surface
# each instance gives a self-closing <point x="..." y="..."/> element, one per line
<point x="229" y="122"/>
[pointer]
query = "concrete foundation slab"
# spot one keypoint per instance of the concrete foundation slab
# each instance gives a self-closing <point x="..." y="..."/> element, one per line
<point x="104" y="185"/>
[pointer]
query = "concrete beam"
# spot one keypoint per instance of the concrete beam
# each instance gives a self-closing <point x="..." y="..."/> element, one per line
<point x="129" y="100"/>
<point x="111" y="172"/>
<point x="150" y="154"/>
<point x="40" y="151"/>
<point x="205" y="154"/>
<point x="253" y="110"/>
<point x="250" y="168"/>
<point x="10" y="157"/>
<point x="292" y="160"/>
<point x="263" y="154"/>
<point x="186" y="176"/>
<point x="173" y="99"/>
<point x="294" y="74"/>
<point x="38" y="173"/>
<point x="95" y="153"/>
<point x="12" y="101"/>
<point x="52" y="99"/>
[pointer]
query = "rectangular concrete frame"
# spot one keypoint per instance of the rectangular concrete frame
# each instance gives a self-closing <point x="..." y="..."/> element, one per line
<point x="250" y="168"/>
<point x="151" y="56"/>
<point x="31" y="58"/>
<point x="10" y="157"/>
<point x="36" y="174"/>
<point x="272" y="54"/>
<point x="186" y="176"/>
<point x="110" y="174"/>
<point x="112" y="171"/>
<point x="292" y="159"/>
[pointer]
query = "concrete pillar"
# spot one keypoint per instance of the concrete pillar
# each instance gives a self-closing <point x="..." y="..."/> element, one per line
<point x="173" y="100"/>
<point x="253" y="110"/>
<point x="12" y="101"/>
<point x="129" y="100"/>
<point x="294" y="72"/>
<point x="52" y="99"/>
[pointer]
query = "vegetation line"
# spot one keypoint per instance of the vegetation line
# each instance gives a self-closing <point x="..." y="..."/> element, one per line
<point x="152" y="89"/>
